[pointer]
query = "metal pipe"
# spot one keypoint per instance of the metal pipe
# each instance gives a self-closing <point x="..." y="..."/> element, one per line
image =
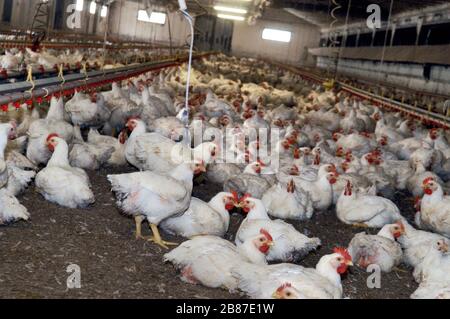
<point x="97" y="79"/>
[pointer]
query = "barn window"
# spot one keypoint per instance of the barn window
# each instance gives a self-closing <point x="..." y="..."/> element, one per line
<point x="276" y="35"/>
<point x="155" y="17"/>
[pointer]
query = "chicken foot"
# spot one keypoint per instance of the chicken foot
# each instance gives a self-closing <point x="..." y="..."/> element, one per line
<point x="399" y="270"/>
<point x="156" y="238"/>
<point x="138" y="220"/>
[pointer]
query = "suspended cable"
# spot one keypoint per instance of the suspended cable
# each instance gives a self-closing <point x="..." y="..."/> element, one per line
<point x="387" y="32"/>
<point x="342" y="42"/>
<point x="185" y="116"/>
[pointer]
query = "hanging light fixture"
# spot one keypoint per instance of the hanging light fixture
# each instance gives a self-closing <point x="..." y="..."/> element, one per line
<point x="230" y="17"/>
<point x="230" y="9"/>
<point x="104" y="11"/>
<point x="92" y="7"/>
<point x="79" y="5"/>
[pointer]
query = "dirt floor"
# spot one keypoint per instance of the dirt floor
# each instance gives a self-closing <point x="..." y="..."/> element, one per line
<point x="35" y="254"/>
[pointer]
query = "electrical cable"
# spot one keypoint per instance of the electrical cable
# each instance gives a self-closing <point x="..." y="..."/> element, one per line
<point x="386" y="35"/>
<point x="342" y="42"/>
<point x="185" y="116"/>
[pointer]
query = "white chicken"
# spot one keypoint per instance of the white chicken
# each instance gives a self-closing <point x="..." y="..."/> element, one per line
<point x="201" y="218"/>
<point x="380" y="249"/>
<point x="435" y="266"/>
<point x="10" y="208"/>
<point x="288" y="202"/>
<point x="435" y="208"/>
<point x="61" y="183"/>
<point x="153" y="151"/>
<point x="414" y="183"/>
<point x="288" y="243"/>
<point x="273" y="281"/>
<point x="208" y="260"/>
<point x="37" y="150"/>
<point x="87" y="111"/>
<point x="117" y="158"/>
<point x="7" y="132"/>
<point x="155" y="197"/>
<point x="16" y="171"/>
<point x="416" y="244"/>
<point x="10" y="61"/>
<point x="251" y="184"/>
<point x="320" y="190"/>
<point x="366" y="210"/>
<point x="88" y="156"/>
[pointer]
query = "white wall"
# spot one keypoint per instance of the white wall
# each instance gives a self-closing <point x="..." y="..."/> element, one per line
<point x="247" y="40"/>
<point x="124" y="24"/>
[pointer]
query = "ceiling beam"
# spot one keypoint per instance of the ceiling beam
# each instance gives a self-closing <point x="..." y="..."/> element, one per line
<point x="302" y="15"/>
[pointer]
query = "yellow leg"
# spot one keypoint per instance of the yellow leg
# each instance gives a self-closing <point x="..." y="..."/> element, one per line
<point x="156" y="238"/>
<point x="399" y="270"/>
<point x="138" y="220"/>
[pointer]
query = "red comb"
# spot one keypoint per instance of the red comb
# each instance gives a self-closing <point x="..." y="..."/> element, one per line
<point x="343" y="252"/>
<point x="266" y="234"/>
<point x="284" y="286"/>
<point x="49" y="137"/>
<point x="235" y="195"/>
<point x="245" y="196"/>
<point x="427" y="180"/>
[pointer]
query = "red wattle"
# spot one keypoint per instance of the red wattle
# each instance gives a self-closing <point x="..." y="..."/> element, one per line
<point x="229" y="207"/>
<point x="264" y="249"/>
<point x="342" y="269"/>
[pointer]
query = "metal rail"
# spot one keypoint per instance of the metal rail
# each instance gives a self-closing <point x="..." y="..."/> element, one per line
<point x="18" y="93"/>
<point x="9" y="44"/>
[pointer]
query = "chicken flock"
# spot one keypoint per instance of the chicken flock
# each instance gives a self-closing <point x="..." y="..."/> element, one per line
<point x="49" y="60"/>
<point x="336" y="154"/>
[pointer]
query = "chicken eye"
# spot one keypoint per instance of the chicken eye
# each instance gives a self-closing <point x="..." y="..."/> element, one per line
<point x="288" y="294"/>
<point x="261" y="240"/>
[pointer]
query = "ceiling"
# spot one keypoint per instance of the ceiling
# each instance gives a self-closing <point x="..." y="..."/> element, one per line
<point x="311" y="11"/>
<point x="318" y="11"/>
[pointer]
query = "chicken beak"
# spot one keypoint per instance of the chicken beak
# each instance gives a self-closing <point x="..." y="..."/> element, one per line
<point x="270" y="243"/>
<point x="444" y="248"/>
<point x="276" y="295"/>
<point x="349" y="263"/>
